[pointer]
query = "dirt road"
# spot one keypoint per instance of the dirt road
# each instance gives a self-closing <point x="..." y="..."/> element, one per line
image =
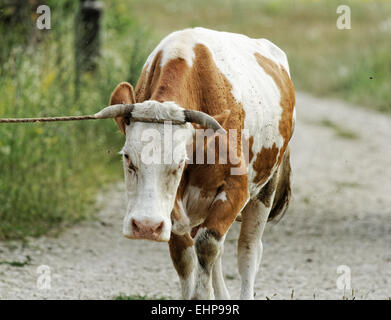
<point x="340" y="215"/>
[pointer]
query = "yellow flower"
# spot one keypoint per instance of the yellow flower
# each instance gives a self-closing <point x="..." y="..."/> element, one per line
<point x="121" y="8"/>
<point x="38" y="130"/>
<point x="48" y="80"/>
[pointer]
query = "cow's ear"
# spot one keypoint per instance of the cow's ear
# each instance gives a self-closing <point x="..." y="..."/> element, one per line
<point x="123" y="93"/>
<point x="222" y="117"/>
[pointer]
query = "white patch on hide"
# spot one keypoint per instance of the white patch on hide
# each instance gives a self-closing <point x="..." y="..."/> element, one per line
<point x="222" y="196"/>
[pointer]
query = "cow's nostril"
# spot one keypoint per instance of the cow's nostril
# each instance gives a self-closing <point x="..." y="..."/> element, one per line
<point x="159" y="228"/>
<point x="135" y="226"/>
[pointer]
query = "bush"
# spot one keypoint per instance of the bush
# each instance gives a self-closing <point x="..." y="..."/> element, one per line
<point x="49" y="173"/>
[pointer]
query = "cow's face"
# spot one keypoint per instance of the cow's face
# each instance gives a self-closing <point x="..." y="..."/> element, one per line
<point x="153" y="159"/>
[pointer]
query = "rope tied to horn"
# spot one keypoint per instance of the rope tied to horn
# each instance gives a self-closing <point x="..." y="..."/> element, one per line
<point x="78" y="118"/>
<point x="125" y="110"/>
<point x="121" y="110"/>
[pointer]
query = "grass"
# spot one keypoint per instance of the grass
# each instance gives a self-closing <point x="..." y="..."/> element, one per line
<point x="341" y="185"/>
<point x="18" y="264"/>
<point x="351" y="64"/>
<point x="339" y="131"/>
<point x="50" y="173"/>
<point x="307" y="200"/>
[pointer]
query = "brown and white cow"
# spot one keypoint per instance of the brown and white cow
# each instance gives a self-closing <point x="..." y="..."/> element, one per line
<point x="242" y="83"/>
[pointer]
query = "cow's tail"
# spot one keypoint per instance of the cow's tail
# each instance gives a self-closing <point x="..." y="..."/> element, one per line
<point x="283" y="190"/>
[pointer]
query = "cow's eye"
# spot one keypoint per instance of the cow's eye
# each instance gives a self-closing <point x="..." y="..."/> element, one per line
<point x="126" y="156"/>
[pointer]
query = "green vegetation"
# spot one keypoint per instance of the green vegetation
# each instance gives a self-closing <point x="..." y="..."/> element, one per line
<point x="347" y="185"/>
<point x="339" y="131"/>
<point x="49" y="173"/>
<point x="351" y="64"/>
<point x="307" y="200"/>
<point x="18" y="264"/>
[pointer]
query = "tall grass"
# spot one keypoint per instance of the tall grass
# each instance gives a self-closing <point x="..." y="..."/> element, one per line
<point x="49" y="173"/>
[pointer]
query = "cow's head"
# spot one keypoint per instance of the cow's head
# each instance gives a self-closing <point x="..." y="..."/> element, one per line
<point x="152" y="171"/>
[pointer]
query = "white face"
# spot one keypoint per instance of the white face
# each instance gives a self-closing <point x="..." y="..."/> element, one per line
<point x="152" y="177"/>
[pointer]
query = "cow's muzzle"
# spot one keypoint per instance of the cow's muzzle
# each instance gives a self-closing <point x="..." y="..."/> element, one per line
<point x="144" y="229"/>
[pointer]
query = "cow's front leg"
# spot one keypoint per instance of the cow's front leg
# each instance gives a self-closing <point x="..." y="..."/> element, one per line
<point x="208" y="245"/>
<point x="210" y="237"/>
<point x="184" y="258"/>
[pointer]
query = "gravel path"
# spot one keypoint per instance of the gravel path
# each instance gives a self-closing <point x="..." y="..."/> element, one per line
<point x="340" y="215"/>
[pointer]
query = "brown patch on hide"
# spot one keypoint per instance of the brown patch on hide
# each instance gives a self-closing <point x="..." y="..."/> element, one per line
<point x="178" y="244"/>
<point x="194" y="231"/>
<point x="287" y="101"/>
<point x="149" y="78"/>
<point x="264" y="164"/>
<point x="267" y="191"/>
<point x="223" y="213"/>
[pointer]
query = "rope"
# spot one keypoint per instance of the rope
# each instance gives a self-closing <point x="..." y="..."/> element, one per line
<point x="47" y="119"/>
<point x="77" y="118"/>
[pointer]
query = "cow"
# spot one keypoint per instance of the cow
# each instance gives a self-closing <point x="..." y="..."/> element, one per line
<point x="204" y="79"/>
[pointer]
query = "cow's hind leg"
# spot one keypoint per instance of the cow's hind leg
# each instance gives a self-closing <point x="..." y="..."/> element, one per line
<point x="254" y="218"/>
<point x="185" y="261"/>
<point x="272" y="202"/>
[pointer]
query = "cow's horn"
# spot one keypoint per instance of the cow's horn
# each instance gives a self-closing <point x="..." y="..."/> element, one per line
<point x="114" y="111"/>
<point x="202" y="119"/>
